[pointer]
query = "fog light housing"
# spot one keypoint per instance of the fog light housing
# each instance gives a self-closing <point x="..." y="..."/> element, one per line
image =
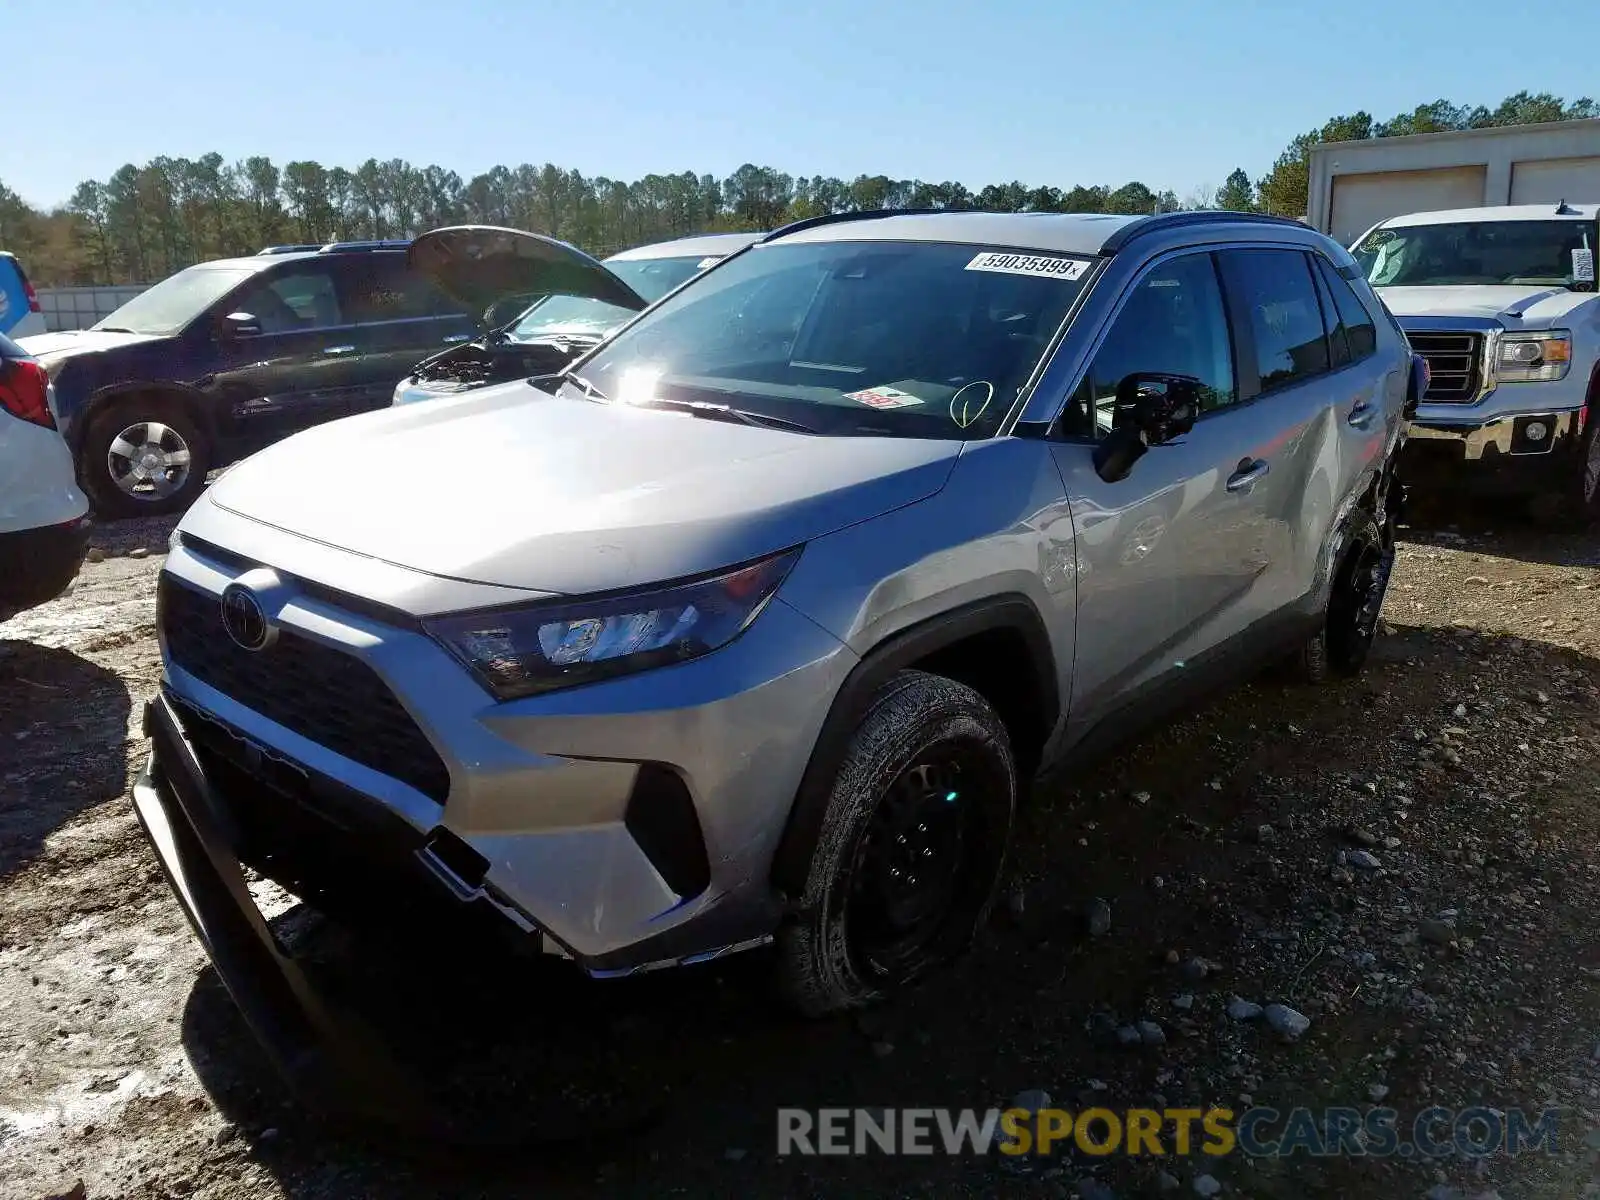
<point x="1533" y="435"/>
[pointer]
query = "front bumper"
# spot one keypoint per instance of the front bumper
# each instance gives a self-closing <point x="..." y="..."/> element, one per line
<point x="1509" y="451"/>
<point x="628" y="824"/>
<point x="330" y="1058"/>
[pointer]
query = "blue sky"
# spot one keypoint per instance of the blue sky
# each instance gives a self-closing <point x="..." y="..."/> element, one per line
<point x="1174" y="94"/>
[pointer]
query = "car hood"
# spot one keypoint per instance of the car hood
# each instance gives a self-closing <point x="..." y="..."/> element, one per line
<point x="509" y="486"/>
<point x="1515" y="307"/>
<point x="480" y="265"/>
<point x="48" y="346"/>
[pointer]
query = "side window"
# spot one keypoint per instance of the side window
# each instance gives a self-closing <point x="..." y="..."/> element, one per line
<point x="301" y="298"/>
<point x="1275" y="304"/>
<point x="1173" y="322"/>
<point x="1333" y="322"/>
<point x="379" y="288"/>
<point x="1353" y="315"/>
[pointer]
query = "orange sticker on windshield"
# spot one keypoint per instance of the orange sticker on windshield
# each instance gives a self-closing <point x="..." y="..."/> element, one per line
<point x="883" y="397"/>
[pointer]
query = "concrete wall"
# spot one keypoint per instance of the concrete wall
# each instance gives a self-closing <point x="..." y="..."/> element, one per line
<point x="81" y="307"/>
<point x="1516" y="164"/>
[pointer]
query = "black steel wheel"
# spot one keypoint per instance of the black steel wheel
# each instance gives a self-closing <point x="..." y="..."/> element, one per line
<point x="1359" y="587"/>
<point x="911" y="850"/>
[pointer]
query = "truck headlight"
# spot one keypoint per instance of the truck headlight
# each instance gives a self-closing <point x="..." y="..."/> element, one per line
<point x="1533" y="357"/>
<point x="536" y="648"/>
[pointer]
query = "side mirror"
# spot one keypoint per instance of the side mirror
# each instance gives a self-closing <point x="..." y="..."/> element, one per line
<point x="1416" y="385"/>
<point x="240" y="325"/>
<point x="1151" y="409"/>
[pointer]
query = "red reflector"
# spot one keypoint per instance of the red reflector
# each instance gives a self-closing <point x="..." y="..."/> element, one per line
<point x="33" y="298"/>
<point x="23" y="387"/>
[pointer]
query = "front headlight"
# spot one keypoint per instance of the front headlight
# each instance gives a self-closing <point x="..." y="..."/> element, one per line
<point x="1533" y="357"/>
<point x="523" y="651"/>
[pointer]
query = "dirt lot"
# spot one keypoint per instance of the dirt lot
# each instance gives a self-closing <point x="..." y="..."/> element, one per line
<point x="1408" y="860"/>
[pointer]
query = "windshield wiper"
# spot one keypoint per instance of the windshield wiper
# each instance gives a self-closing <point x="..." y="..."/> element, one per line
<point x="726" y="412"/>
<point x="583" y="385"/>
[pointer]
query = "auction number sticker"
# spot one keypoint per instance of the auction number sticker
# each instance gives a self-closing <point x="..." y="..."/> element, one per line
<point x="1583" y="266"/>
<point x="883" y="397"/>
<point x="1028" y="264"/>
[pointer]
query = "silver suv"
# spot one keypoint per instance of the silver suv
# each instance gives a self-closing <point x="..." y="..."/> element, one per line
<point x="752" y="624"/>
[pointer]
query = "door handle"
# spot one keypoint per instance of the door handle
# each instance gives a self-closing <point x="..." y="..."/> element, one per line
<point x="1246" y="473"/>
<point x="457" y="337"/>
<point x="340" y="350"/>
<point x="1362" y="414"/>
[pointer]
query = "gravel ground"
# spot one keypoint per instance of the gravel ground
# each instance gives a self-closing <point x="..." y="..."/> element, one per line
<point x="1407" y="861"/>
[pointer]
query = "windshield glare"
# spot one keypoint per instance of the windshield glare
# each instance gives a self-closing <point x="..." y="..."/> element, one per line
<point x="175" y="301"/>
<point x="1480" y="252"/>
<point x="909" y="339"/>
<point x="573" y="316"/>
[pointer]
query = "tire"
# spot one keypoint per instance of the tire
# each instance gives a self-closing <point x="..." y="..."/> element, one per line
<point x="929" y="775"/>
<point x="1577" y="506"/>
<point x="144" y="456"/>
<point x="1360" y="582"/>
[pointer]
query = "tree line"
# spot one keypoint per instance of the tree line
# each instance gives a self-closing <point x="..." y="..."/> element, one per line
<point x="144" y="222"/>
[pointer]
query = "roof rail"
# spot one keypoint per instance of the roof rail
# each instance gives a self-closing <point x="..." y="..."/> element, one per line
<point x="865" y="214"/>
<point x="371" y="244"/>
<point x="1175" y="220"/>
<point x="295" y="249"/>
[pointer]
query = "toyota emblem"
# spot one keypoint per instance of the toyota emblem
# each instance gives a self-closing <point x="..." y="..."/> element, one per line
<point x="244" y="618"/>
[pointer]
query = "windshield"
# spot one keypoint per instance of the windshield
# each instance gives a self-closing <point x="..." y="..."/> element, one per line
<point x="1553" y="253"/>
<point x="176" y="300"/>
<point x="573" y="316"/>
<point x="908" y="339"/>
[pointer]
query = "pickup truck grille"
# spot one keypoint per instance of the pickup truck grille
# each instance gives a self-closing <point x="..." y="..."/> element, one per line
<point x="324" y="695"/>
<point x="1455" y="361"/>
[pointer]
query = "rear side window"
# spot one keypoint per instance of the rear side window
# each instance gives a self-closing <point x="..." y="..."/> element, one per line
<point x="1338" y="340"/>
<point x="1274" y="306"/>
<point x="1353" y="315"/>
<point x="381" y="289"/>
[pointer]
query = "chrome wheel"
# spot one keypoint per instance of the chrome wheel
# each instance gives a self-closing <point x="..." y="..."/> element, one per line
<point x="149" y="461"/>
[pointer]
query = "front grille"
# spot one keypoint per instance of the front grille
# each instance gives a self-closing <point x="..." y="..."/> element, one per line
<point x="322" y="694"/>
<point x="1455" y="364"/>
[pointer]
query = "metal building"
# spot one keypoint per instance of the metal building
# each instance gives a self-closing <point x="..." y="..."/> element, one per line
<point x="1354" y="185"/>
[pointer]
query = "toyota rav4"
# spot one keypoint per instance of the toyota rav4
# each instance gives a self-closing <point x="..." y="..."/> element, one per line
<point x="752" y="624"/>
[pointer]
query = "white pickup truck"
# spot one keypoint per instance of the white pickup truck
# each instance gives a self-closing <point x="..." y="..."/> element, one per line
<point x="1502" y="304"/>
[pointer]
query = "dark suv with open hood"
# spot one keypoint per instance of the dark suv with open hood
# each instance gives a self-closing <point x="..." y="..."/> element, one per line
<point x="545" y="336"/>
<point x="225" y="357"/>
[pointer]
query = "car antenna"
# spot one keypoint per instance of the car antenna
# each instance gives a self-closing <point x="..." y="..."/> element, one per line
<point x="1562" y="209"/>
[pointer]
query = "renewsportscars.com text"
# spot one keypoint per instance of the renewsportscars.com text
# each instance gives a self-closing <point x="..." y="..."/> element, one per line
<point x="1260" y="1132"/>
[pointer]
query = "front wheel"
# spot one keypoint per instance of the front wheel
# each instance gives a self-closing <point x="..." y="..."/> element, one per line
<point x="144" y="458"/>
<point x="1582" y="508"/>
<point x="911" y="849"/>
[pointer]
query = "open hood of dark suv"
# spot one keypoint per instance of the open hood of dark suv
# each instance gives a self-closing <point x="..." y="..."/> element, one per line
<point x="480" y="265"/>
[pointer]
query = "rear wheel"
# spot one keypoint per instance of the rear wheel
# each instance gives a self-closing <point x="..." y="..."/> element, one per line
<point x="1350" y="625"/>
<point x="911" y="848"/>
<point x="144" y="457"/>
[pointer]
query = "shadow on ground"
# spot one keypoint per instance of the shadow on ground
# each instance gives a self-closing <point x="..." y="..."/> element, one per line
<point x="672" y="1081"/>
<point x="1499" y="526"/>
<point x="63" y="725"/>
